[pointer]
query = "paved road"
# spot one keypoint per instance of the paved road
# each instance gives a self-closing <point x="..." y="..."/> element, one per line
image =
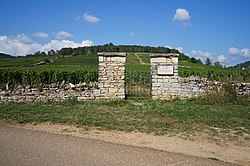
<point x="20" y="147"/>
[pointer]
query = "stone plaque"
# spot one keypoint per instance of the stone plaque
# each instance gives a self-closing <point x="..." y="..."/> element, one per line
<point x="165" y="69"/>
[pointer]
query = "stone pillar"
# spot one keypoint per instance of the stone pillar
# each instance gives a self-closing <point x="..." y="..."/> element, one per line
<point x="164" y="76"/>
<point x="111" y="80"/>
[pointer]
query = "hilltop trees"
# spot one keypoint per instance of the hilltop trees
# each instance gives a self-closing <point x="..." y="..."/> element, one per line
<point x="208" y="62"/>
<point x="51" y="52"/>
<point x="193" y="60"/>
<point x="217" y="64"/>
<point x="110" y="47"/>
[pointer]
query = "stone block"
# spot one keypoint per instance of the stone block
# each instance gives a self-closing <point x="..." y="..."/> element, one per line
<point x="160" y="80"/>
<point x="101" y="59"/>
<point x="176" y="85"/>
<point x="175" y="60"/>
<point x="165" y="80"/>
<point x="166" y="84"/>
<point x="156" y="84"/>
<point x="158" y="60"/>
<point x="154" y="80"/>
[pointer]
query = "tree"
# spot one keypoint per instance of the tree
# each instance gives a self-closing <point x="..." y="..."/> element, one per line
<point x="37" y="53"/>
<point x="51" y="52"/>
<point x="217" y="64"/>
<point x="193" y="60"/>
<point x="43" y="53"/>
<point x="208" y="62"/>
<point x="199" y="61"/>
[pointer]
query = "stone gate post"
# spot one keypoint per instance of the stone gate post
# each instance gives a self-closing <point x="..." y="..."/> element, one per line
<point x="111" y="80"/>
<point x="164" y="76"/>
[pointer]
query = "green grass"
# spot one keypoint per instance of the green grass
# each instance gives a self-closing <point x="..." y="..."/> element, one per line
<point x="149" y="116"/>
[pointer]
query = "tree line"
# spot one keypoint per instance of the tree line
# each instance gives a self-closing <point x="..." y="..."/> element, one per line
<point x="115" y="48"/>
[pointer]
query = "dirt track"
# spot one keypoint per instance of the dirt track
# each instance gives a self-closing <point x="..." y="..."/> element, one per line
<point x="238" y="154"/>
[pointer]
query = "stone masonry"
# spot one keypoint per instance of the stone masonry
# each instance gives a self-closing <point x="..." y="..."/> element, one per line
<point x="164" y="76"/>
<point x="111" y="79"/>
<point x="56" y="92"/>
<point x="165" y="83"/>
<point x="110" y="85"/>
<point x="189" y="87"/>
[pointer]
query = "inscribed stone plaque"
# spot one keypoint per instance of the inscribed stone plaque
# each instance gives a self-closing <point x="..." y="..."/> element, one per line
<point x="165" y="69"/>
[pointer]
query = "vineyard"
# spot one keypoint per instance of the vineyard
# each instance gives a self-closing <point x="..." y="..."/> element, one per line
<point x="49" y="69"/>
<point x="187" y="69"/>
<point x="84" y="68"/>
<point x="43" y="76"/>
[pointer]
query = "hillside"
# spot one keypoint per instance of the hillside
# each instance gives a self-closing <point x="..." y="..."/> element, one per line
<point x="113" y="48"/>
<point x="242" y="66"/>
<point x="2" y="55"/>
<point x="86" y="58"/>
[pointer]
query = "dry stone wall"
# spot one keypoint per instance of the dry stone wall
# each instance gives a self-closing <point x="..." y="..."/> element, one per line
<point x="165" y="83"/>
<point x="196" y="86"/>
<point x="57" y="92"/>
<point x="188" y="88"/>
<point x="110" y="85"/>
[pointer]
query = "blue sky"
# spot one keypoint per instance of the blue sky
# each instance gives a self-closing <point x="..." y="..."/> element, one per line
<point x="218" y="29"/>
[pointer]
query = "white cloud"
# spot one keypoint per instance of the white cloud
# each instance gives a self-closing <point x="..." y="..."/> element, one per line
<point x="63" y="35"/>
<point x="243" y="52"/>
<point x="180" y="49"/>
<point x="59" y="44"/>
<point x="3" y="38"/>
<point x="86" y="43"/>
<point x="233" y="51"/>
<point x="41" y="35"/>
<point x="90" y="18"/>
<point x="181" y="15"/>
<point x="221" y="58"/>
<point x="17" y="47"/>
<point x="203" y="54"/>
<point x="23" y="38"/>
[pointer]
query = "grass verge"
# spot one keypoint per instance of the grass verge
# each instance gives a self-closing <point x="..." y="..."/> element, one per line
<point x="149" y="116"/>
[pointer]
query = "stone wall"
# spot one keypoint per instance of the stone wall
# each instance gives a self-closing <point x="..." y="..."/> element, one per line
<point x="111" y="80"/>
<point x="188" y="88"/>
<point x="166" y="84"/>
<point x="196" y="86"/>
<point x="110" y="85"/>
<point x="57" y="92"/>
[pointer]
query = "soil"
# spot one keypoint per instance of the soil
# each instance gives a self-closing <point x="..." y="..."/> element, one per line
<point x="237" y="152"/>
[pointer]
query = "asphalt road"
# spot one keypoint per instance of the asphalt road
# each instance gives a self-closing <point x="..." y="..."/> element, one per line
<point x="22" y="147"/>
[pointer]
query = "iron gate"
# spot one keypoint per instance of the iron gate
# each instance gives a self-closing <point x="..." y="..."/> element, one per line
<point x="138" y="84"/>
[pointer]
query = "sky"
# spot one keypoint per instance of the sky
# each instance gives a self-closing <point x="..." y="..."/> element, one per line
<point x="215" y="29"/>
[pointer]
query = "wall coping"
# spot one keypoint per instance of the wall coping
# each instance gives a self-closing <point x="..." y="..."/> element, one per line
<point x="112" y="54"/>
<point x="156" y="55"/>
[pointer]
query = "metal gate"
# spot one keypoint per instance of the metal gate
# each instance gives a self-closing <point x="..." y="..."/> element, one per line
<point x="138" y="84"/>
